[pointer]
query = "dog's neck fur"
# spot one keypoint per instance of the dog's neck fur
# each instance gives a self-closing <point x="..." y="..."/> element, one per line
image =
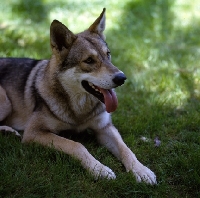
<point x="69" y="103"/>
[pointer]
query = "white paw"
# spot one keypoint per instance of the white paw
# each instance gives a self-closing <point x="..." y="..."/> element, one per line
<point x="101" y="171"/>
<point x="142" y="173"/>
<point x="9" y="129"/>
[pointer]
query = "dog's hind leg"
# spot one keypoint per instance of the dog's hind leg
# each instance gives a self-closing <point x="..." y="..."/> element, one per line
<point x="5" y="110"/>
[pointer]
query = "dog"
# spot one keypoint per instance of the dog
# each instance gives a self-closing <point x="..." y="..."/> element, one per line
<point x="74" y="90"/>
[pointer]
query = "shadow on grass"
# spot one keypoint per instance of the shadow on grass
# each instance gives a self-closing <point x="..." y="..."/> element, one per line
<point x="35" y="11"/>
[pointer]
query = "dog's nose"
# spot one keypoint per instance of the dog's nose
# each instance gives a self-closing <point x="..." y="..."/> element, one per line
<point x="119" y="79"/>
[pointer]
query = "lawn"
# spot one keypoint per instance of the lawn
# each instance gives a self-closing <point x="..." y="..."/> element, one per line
<point x="157" y="45"/>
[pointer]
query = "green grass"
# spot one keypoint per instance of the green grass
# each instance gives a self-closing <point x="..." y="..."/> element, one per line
<point x="156" y="43"/>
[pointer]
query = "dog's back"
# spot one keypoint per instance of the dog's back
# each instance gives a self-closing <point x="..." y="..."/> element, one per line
<point x="14" y="72"/>
<point x="14" y="78"/>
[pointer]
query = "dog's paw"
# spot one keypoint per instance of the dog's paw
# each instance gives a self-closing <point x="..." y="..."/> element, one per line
<point x="101" y="171"/>
<point x="8" y="129"/>
<point x="142" y="173"/>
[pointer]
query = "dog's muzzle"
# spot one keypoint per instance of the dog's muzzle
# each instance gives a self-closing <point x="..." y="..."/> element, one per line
<point x="119" y="79"/>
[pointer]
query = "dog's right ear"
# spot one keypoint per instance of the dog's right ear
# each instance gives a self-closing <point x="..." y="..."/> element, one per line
<point x="61" y="39"/>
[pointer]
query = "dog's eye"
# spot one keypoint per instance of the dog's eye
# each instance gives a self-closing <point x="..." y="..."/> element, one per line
<point x="108" y="54"/>
<point x="89" y="60"/>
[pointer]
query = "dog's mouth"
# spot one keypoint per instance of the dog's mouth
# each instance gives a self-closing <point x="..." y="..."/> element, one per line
<point x="106" y="96"/>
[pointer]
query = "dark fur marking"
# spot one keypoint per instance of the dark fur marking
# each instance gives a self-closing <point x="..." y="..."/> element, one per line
<point x="16" y="74"/>
<point x="39" y="101"/>
<point x="68" y="63"/>
<point x="63" y="99"/>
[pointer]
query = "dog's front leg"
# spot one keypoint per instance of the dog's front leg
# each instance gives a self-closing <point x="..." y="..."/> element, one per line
<point x="110" y="138"/>
<point x="33" y="133"/>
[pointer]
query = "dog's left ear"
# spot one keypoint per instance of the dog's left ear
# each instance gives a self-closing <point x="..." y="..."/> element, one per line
<point x="99" y="25"/>
<point x="61" y="39"/>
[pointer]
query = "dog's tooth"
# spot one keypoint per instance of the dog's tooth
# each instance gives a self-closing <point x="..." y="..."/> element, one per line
<point x="90" y="84"/>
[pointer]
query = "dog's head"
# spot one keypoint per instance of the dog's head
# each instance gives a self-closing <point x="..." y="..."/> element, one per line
<point x="84" y="61"/>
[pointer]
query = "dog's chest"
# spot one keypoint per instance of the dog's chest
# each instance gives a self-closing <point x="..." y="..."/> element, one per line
<point x="77" y="112"/>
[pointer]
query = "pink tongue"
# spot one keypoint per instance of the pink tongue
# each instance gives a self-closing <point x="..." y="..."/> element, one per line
<point x="110" y="99"/>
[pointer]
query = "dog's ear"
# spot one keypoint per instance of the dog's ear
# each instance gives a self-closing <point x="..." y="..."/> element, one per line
<point x="61" y="39"/>
<point x="99" y="25"/>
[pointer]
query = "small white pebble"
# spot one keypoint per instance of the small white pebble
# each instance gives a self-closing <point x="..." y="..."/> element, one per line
<point x="145" y="139"/>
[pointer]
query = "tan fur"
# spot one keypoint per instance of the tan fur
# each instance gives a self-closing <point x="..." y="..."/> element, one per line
<point x="50" y="96"/>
